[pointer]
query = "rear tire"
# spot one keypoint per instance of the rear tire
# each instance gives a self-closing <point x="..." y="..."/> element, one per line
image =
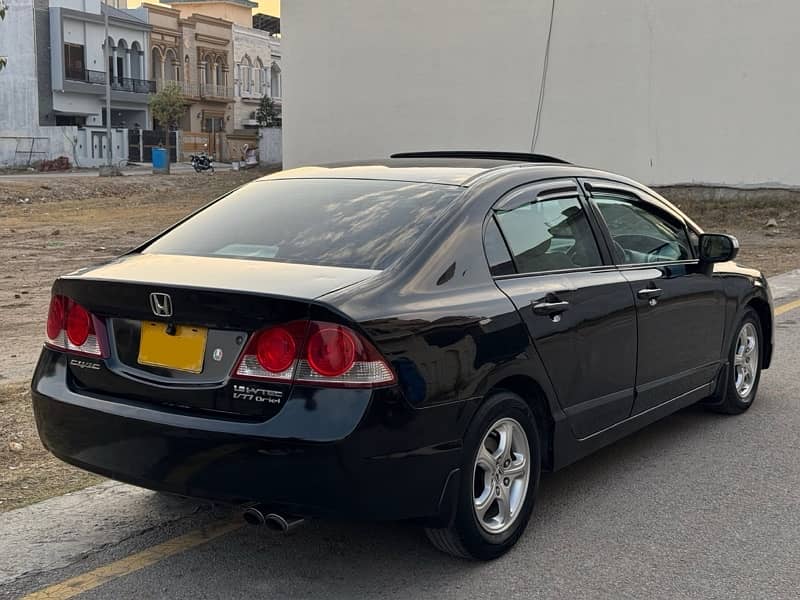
<point x="498" y="481"/>
<point x="744" y="372"/>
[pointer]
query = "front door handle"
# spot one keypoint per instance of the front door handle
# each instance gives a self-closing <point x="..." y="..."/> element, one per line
<point x="649" y="293"/>
<point x="549" y="309"/>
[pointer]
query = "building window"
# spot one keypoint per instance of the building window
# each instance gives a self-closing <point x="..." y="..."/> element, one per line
<point x="259" y="78"/>
<point x="247" y="76"/>
<point x="74" y="62"/>
<point x="65" y="120"/>
<point x="275" y="81"/>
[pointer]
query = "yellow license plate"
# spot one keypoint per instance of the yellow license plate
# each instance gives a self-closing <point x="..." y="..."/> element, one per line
<point x="182" y="351"/>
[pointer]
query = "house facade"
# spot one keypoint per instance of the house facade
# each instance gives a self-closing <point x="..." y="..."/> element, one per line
<point x="223" y="65"/>
<point x="54" y="85"/>
<point x="257" y="58"/>
<point x="253" y="64"/>
<point x="78" y="67"/>
<point x="56" y="54"/>
<point x="195" y="52"/>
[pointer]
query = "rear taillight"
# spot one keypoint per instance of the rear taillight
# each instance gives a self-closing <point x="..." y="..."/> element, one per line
<point x="71" y="327"/>
<point x="316" y="352"/>
<point x="272" y="353"/>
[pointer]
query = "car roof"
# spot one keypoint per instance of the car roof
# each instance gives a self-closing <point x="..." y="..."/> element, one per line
<point x="445" y="171"/>
<point x="458" y="168"/>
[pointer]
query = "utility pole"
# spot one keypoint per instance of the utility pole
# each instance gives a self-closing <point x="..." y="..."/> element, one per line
<point x="107" y="52"/>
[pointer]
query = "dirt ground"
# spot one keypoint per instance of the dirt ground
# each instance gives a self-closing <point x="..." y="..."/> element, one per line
<point x="28" y="472"/>
<point x="55" y="225"/>
<point x="745" y="214"/>
<point x="47" y="228"/>
<point x="70" y="222"/>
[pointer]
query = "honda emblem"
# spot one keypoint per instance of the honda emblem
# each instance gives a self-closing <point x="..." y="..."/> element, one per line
<point x="161" y="304"/>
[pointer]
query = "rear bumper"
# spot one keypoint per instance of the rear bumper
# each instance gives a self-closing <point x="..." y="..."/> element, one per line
<point x="388" y="467"/>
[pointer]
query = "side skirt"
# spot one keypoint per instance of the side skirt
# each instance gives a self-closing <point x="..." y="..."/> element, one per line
<point x="567" y="449"/>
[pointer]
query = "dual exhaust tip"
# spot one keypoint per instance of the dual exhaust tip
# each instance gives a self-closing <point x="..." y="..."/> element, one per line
<point x="257" y="515"/>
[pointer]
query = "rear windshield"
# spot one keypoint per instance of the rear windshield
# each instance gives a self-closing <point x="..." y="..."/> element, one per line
<point x="337" y="222"/>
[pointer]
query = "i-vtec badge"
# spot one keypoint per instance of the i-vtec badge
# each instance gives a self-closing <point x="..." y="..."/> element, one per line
<point x="256" y="394"/>
<point x="84" y="364"/>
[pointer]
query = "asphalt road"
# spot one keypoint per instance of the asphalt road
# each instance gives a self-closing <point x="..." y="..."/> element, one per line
<point x="697" y="506"/>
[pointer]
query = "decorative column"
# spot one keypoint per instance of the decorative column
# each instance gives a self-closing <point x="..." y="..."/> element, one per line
<point x="128" y="71"/>
<point x="163" y="60"/>
<point x="114" y="64"/>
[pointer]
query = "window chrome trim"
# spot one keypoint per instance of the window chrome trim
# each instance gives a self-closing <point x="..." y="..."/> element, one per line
<point x="598" y="269"/>
<point x="663" y="263"/>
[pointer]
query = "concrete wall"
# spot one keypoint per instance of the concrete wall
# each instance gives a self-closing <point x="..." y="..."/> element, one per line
<point x="242" y="15"/>
<point x="270" y="145"/>
<point x="667" y="91"/>
<point x="19" y="111"/>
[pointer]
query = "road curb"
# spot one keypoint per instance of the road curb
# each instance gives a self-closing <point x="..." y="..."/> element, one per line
<point x="56" y="532"/>
<point x="785" y="286"/>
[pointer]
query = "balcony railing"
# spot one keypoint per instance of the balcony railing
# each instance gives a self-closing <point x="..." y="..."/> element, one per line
<point x="197" y="90"/>
<point x="125" y="84"/>
<point x="86" y="76"/>
<point x="138" y="86"/>
<point x="217" y="91"/>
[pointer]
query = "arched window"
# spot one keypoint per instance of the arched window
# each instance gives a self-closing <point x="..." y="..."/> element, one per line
<point x="247" y="75"/>
<point x="219" y="72"/>
<point x="275" y="81"/>
<point x="136" y="66"/>
<point x="122" y="61"/>
<point x="207" y="78"/>
<point x="260" y="78"/>
<point x="156" y="58"/>
<point x="171" y="66"/>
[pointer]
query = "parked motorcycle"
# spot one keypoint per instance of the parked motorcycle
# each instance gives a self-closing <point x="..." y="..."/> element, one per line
<point x="202" y="162"/>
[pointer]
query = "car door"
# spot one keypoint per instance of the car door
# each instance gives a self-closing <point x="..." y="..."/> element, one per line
<point x="579" y="309"/>
<point x="679" y="305"/>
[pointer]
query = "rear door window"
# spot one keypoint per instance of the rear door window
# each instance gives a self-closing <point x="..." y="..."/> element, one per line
<point x="336" y="222"/>
<point x="549" y="235"/>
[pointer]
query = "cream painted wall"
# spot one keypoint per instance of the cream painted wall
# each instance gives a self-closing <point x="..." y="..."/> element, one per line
<point x="241" y="15"/>
<point x="667" y="91"/>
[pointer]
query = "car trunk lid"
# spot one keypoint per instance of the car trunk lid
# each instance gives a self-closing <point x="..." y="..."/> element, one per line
<point x="221" y="299"/>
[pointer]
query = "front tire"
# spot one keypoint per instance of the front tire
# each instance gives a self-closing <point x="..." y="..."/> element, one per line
<point x="745" y="359"/>
<point x="498" y="481"/>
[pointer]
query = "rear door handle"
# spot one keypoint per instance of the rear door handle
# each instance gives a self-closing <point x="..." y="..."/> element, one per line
<point x="550" y="308"/>
<point x="649" y="293"/>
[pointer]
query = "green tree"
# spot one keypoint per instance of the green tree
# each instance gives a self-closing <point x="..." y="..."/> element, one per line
<point x="167" y="107"/>
<point x="3" y="8"/>
<point x="267" y="114"/>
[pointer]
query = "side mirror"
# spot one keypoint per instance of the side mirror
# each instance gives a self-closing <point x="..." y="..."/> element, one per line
<point x="718" y="247"/>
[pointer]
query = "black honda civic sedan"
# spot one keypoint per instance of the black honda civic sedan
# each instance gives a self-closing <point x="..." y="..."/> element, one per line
<point x="413" y="338"/>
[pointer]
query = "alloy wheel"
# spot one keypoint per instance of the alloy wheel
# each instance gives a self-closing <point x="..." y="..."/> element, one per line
<point x="745" y="360"/>
<point x="501" y="474"/>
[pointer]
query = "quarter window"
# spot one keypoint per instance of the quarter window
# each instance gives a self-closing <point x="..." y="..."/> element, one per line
<point x="500" y="262"/>
<point x="549" y="235"/>
<point x="642" y="234"/>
